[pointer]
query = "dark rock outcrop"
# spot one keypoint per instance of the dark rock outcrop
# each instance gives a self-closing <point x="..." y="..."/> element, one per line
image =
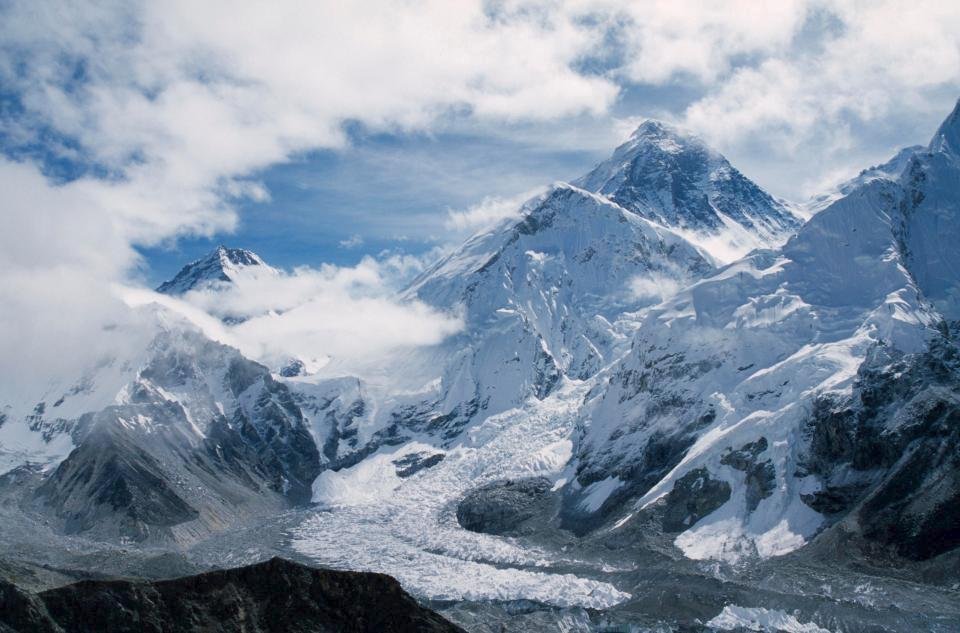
<point x="694" y="496"/>
<point x="501" y="507"/>
<point x="411" y="464"/>
<point x="760" y="476"/>
<point x="889" y="455"/>
<point x="274" y="596"/>
<point x="111" y="477"/>
<point x="294" y="368"/>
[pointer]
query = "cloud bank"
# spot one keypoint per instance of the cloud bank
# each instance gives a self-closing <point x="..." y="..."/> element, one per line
<point x="315" y="315"/>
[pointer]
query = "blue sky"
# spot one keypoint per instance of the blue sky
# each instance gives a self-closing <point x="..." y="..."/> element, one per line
<point x="327" y="133"/>
<point x="384" y="192"/>
<point x="392" y="192"/>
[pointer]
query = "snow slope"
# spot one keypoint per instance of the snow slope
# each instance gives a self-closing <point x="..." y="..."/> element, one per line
<point x="549" y="301"/>
<point x="556" y="293"/>
<point x="542" y="295"/>
<point x="722" y="377"/>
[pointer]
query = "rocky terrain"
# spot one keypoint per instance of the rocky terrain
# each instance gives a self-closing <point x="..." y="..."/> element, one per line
<point x="274" y="596"/>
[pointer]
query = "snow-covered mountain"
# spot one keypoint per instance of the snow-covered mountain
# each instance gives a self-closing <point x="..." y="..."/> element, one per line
<point x="675" y="179"/>
<point x="222" y="265"/>
<point x="166" y="439"/>
<point x="715" y="419"/>
<point x="554" y="294"/>
<point x="657" y="356"/>
<point x="543" y="297"/>
<point x="885" y="171"/>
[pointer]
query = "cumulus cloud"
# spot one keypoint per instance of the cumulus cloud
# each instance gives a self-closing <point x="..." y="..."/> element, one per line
<point x="878" y="64"/>
<point x="664" y="39"/>
<point x="177" y="106"/>
<point x="167" y="109"/>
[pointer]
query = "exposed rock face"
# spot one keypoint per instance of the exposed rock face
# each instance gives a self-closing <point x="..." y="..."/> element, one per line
<point x="676" y="180"/>
<point x="501" y="507"/>
<point x="760" y="475"/>
<point x="889" y="455"/>
<point x="411" y="464"/>
<point x="110" y="478"/>
<point x="275" y="596"/>
<point x="694" y="496"/>
<point x="294" y="368"/>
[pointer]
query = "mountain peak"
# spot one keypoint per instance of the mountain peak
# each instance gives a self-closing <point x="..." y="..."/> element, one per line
<point x="671" y="176"/>
<point x="653" y="126"/>
<point x="236" y="256"/>
<point x="218" y="266"/>
<point x="664" y="136"/>
<point x="947" y="138"/>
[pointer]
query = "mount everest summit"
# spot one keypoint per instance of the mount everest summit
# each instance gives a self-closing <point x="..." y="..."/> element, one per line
<point x="219" y="267"/>
<point x="661" y="367"/>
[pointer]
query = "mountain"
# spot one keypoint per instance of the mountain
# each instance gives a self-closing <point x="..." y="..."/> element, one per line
<point x="553" y="294"/>
<point x="222" y="265"/>
<point x="797" y="388"/>
<point x="167" y="443"/>
<point x="885" y="171"/>
<point x="542" y="296"/>
<point x="675" y="179"/>
<point x="273" y="596"/>
<point x="946" y="141"/>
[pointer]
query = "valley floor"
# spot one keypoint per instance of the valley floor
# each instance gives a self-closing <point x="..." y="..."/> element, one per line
<point x="367" y="518"/>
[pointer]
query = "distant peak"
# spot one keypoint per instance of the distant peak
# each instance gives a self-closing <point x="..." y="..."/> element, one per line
<point x="655" y="126"/>
<point x="652" y="126"/>
<point x="236" y="256"/>
<point x="655" y="130"/>
<point x="215" y="266"/>
<point x="947" y="138"/>
<point x="671" y="176"/>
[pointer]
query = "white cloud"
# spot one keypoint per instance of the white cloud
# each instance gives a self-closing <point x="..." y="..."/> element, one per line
<point x="180" y="102"/>
<point x="353" y="241"/>
<point x="488" y="212"/>
<point x="818" y="107"/>
<point x="653" y="287"/>
<point x="665" y="38"/>
<point x="315" y="314"/>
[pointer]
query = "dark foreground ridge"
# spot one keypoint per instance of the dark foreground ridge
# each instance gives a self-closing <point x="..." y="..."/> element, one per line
<point x="275" y="596"/>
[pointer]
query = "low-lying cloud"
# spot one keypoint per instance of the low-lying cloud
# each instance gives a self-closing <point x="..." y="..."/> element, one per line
<point x="350" y="314"/>
<point x="489" y="212"/>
